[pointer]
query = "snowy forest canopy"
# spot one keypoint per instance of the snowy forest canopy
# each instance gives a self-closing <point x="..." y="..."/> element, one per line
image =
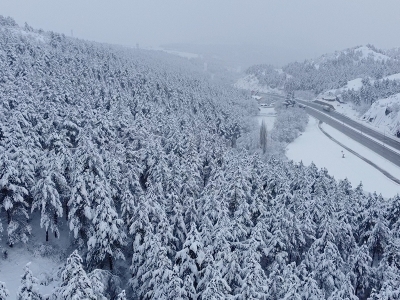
<point x="134" y="153"/>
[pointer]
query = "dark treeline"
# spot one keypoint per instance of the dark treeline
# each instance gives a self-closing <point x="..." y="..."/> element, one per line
<point x="135" y="153"/>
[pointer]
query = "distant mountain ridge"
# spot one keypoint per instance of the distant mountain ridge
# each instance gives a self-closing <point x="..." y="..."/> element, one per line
<point x="330" y="71"/>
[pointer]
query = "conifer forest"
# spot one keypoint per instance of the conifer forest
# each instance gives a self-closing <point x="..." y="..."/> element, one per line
<point x="140" y="169"/>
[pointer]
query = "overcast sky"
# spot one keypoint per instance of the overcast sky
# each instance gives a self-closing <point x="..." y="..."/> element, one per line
<point x="285" y="30"/>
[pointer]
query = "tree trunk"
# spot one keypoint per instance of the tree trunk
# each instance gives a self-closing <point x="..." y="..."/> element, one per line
<point x="110" y="262"/>
<point x="47" y="235"/>
<point x="66" y="212"/>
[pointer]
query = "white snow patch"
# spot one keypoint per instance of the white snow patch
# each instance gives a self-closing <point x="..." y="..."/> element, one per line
<point x="34" y="35"/>
<point x="354" y="84"/>
<point x="43" y="268"/>
<point x="392" y="77"/>
<point x="367" y="52"/>
<point x="187" y="55"/>
<point x="384" y="114"/>
<point x="268" y="115"/>
<point x="314" y="146"/>
<point x="183" y="54"/>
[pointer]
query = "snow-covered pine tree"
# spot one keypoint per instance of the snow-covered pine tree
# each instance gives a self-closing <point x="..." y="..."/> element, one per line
<point x="211" y="284"/>
<point x="325" y="260"/>
<point x="14" y="193"/>
<point x="255" y="283"/>
<point x="361" y="272"/>
<point x="159" y="275"/>
<point x="309" y="288"/>
<point x="346" y="291"/>
<point x="98" y="287"/>
<point x="46" y="194"/>
<point x="108" y="236"/>
<point x="121" y="296"/>
<point x="75" y="283"/>
<point x="188" y="261"/>
<point x="4" y="293"/>
<point x="28" y="289"/>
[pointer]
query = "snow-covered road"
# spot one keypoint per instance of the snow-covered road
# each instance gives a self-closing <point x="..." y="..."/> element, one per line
<point x="314" y="146"/>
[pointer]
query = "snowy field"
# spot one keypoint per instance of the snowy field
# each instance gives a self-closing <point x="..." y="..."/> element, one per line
<point x="314" y="146"/>
<point x="46" y="259"/>
<point x="268" y="115"/>
<point x="44" y="269"/>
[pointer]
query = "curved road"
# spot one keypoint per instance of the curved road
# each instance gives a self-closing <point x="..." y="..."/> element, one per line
<point x="337" y="121"/>
<point x="390" y="155"/>
<point x="381" y="137"/>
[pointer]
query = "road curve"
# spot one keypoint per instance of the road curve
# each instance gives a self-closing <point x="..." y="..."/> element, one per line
<point x="381" y="137"/>
<point x="357" y="136"/>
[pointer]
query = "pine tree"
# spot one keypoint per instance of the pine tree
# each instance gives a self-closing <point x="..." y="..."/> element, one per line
<point x="108" y="236"/>
<point x="263" y="137"/>
<point x="46" y="195"/>
<point x="324" y="259"/>
<point x="211" y="284"/>
<point x="14" y="192"/>
<point x="75" y="283"/>
<point x="255" y="283"/>
<point x="362" y="272"/>
<point x="28" y="289"/>
<point x="97" y="283"/>
<point x="188" y="261"/>
<point x="346" y="291"/>
<point x="4" y="293"/>
<point x="121" y="296"/>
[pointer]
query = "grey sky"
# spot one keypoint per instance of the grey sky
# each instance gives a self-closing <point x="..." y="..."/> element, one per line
<point x="284" y="30"/>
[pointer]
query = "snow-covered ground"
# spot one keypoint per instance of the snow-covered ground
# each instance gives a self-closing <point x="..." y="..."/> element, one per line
<point x="251" y="83"/>
<point x="187" y="55"/>
<point x="46" y="258"/>
<point x="384" y="114"/>
<point x="314" y="146"/>
<point x="392" y="77"/>
<point x="354" y="84"/>
<point x="367" y="135"/>
<point x="43" y="268"/>
<point x="367" y="52"/>
<point x="268" y="115"/>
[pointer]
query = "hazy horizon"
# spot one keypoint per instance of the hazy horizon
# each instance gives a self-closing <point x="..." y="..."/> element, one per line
<point x="279" y="32"/>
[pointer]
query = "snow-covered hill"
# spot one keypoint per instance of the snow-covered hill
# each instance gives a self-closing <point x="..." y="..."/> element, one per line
<point x="367" y="52"/>
<point x="330" y="71"/>
<point x="354" y="84"/>
<point x="385" y="114"/>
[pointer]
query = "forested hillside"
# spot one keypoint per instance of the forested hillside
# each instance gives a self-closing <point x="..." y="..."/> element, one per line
<point x="134" y="153"/>
<point x="332" y="71"/>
